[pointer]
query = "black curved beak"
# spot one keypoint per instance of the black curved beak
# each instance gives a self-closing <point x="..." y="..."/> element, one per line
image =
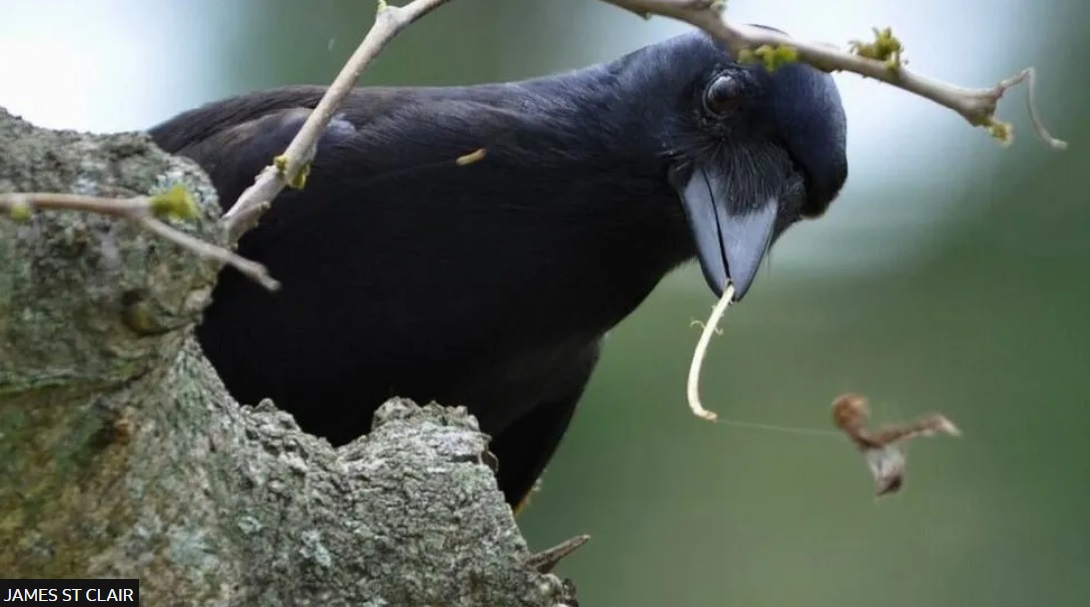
<point x="732" y="223"/>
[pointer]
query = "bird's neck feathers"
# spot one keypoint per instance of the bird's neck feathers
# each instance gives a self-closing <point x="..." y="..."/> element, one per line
<point x="573" y="177"/>
<point x="604" y="115"/>
<point x="597" y="187"/>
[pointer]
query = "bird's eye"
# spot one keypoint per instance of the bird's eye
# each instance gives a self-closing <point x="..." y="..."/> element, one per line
<point x="721" y="95"/>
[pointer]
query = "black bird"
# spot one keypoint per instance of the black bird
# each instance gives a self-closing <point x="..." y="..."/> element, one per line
<point x="490" y="285"/>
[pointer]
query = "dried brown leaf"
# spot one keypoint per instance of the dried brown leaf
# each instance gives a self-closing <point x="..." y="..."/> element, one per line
<point x="880" y="450"/>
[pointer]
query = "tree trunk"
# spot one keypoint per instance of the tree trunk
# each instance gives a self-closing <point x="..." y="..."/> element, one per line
<point x="121" y="455"/>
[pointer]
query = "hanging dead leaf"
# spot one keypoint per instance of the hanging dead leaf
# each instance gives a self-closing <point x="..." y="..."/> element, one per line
<point x="879" y="448"/>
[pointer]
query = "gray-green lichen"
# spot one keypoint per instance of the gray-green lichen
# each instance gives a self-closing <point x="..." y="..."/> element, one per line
<point x="122" y="455"/>
<point x="77" y="291"/>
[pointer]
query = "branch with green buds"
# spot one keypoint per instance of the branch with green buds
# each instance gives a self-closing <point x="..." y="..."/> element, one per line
<point x="146" y="211"/>
<point x="290" y="168"/>
<point x="880" y="59"/>
<point x="773" y="57"/>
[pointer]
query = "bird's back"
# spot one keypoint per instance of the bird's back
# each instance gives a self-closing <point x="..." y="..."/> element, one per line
<point x="407" y="273"/>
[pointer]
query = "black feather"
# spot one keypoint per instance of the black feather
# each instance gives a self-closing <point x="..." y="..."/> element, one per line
<point x="488" y="285"/>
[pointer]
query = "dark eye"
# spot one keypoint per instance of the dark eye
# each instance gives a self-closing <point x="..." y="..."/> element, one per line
<point x="721" y="95"/>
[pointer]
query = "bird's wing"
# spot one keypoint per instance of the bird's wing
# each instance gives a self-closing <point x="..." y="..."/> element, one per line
<point x="384" y="141"/>
<point x="235" y="138"/>
<point x="386" y="145"/>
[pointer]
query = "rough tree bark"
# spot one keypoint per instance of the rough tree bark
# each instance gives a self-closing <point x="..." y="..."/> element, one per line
<point x="121" y="455"/>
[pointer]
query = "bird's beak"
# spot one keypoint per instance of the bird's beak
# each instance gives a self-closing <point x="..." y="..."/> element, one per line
<point x="731" y="234"/>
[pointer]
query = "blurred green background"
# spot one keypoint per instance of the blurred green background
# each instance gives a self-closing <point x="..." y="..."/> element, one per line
<point x="946" y="278"/>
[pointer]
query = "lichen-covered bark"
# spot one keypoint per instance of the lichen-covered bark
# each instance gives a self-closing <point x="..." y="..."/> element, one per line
<point x="121" y="455"/>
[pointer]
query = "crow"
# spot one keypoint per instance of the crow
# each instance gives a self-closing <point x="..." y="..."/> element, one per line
<point x="490" y="284"/>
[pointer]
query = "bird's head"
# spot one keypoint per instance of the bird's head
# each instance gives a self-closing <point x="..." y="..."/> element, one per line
<point x="749" y="152"/>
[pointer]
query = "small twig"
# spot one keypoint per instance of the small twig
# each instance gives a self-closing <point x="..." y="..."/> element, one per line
<point x="246" y="267"/>
<point x="978" y="106"/>
<point x="294" y="162"/>
<point x="692" y="390"/>
<point x="1029" y="76"/>
<point x="547" y="560"/>
<point x="143" y="210"/>
<point x="20" y="206"/>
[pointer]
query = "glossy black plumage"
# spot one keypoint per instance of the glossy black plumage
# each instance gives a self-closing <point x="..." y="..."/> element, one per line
<point x="490" y="285"/>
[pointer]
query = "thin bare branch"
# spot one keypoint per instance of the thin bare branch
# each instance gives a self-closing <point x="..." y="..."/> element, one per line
<point x="289" y="167"/>
<point x="547" y="560"/>
<point x="141" y="210"/>
<point x="20" y="205"/>
<point x="248" y="268"/>
<point x="978" y="106"/>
